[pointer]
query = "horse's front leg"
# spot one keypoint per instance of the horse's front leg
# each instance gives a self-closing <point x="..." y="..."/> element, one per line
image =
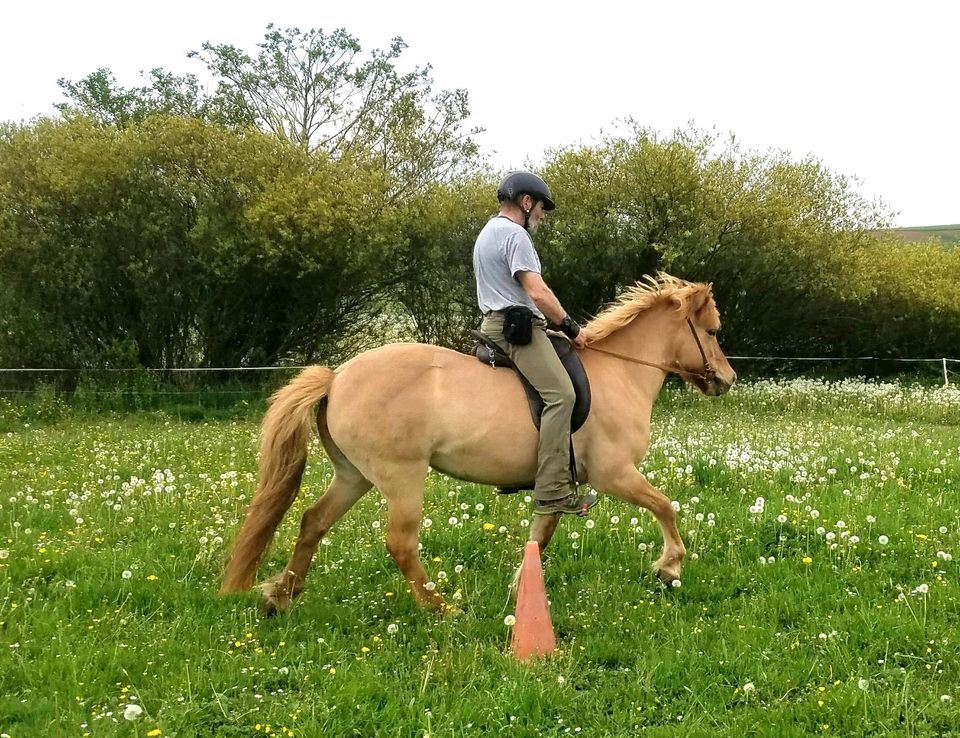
<point x="630" y="485"/>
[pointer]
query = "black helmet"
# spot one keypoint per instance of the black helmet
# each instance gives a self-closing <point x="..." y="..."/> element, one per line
<point x="516" y="184"/>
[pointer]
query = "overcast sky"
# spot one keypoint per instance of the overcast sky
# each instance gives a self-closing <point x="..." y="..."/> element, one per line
<point x="871" y="88"/>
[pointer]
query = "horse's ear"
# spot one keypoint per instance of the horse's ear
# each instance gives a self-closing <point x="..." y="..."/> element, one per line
<point x="700" y="298"/>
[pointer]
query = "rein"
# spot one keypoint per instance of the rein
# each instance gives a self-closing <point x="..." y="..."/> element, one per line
<point x="708" y="374"/>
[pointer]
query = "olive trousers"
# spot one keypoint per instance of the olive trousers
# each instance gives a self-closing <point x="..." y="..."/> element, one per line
<point x="541" y="366"/>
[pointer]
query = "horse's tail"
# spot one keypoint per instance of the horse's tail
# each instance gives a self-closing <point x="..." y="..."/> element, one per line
<point x="283" y="455"/>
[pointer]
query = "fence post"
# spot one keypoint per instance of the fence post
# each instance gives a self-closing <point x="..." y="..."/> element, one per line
<point x="946" y="381"/>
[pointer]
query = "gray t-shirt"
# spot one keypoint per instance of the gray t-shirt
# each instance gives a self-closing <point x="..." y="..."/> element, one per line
<point x="502" y="250"/>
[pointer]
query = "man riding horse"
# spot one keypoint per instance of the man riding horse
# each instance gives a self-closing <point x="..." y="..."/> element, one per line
<point x="516" y="304"/>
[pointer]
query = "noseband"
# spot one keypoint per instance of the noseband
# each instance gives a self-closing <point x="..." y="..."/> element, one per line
<point x="707" y="375"/>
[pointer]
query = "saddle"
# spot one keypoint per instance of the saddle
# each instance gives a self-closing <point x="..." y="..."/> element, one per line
<point x="489" y="353"/>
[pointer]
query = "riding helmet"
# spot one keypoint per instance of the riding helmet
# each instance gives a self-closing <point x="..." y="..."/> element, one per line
<point x="516" y="184"/>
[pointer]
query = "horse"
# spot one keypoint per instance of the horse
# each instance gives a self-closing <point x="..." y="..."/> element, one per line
<point x="388" y="415"/>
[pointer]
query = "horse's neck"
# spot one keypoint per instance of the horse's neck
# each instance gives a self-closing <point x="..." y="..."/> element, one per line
<point x="650" y="338"/>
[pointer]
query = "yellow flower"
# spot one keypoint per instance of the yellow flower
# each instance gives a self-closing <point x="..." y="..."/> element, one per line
<point x="807" y="560"/>
<point x="155" y="732"/>
<point x="152" y="578"/>
<point x="333" y="669"/>
<point x="488" y="526"/>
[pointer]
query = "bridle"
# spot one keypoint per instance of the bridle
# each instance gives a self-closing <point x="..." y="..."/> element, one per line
<point x="707" y="375"/>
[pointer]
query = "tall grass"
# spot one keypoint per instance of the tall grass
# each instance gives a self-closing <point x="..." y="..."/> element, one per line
<point x="819" y="594"/>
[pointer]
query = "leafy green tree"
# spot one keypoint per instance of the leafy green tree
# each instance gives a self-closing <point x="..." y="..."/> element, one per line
<point x="177" y="243"/>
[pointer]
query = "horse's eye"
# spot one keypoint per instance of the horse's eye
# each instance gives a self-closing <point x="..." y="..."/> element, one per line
<point x="712" y="333"/>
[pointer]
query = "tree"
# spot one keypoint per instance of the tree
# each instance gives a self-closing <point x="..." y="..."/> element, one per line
<point x="314" y="90"/>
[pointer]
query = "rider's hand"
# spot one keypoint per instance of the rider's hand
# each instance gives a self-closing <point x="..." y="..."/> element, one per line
<point x="579" y="342"/>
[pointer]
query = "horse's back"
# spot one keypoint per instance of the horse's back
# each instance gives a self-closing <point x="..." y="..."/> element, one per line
<point x="417" y="401"/>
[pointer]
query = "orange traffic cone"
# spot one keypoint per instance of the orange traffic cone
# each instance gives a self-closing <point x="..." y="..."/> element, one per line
<point x="533" y="631"/>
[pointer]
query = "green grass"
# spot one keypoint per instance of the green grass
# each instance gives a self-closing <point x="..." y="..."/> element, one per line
<point x="113" y="532"/>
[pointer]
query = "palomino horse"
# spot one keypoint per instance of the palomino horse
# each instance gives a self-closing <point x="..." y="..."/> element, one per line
<point x="389" y="414"/>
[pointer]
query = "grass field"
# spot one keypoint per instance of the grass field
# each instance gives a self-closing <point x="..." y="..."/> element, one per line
<point x="819" y="595"/>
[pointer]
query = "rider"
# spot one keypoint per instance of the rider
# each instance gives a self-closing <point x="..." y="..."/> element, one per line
<point x="507" y="269"/>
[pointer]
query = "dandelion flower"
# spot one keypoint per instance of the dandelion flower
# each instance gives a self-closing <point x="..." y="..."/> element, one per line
<point x="863" y="684"/>
<point x="590" y="524"/>
<point x="883" y="540"/>
<point x="675" y="584"/>
<point x="132" y="712"/>
<point x="510" y="621"/>
<point x="126" y="574"/>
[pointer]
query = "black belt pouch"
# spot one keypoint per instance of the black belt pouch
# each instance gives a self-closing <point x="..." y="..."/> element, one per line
<point x="518" y="325"/>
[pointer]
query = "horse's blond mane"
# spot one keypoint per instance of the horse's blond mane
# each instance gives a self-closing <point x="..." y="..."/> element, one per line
<point x="643" y="295"/>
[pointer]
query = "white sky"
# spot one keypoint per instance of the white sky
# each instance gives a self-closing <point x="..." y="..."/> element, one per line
<point x="871" y="88"/>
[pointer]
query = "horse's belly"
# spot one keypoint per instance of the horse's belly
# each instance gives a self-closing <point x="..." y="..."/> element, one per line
<point x="486" y="433"/>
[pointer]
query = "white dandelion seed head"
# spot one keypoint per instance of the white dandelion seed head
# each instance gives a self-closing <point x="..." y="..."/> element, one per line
<point x="427" y="522"/>
<point x="748" y="688"/>
<point x="590" y="524"/>
<point x="430" y="586"/>
<point x="392" y="628"/>
<point x="132" y="712"/>
<point x="614" y="519"/>
<point x="675" y="584"/>
<point x="510" y="621"/>
<point x="841" y="524"/>
<point x="126" y="574"/>
<point x="871" y="519"/>
<point x="863" y="684"/>
<point x="781" y="519"/>
<point x="883" y="540"/>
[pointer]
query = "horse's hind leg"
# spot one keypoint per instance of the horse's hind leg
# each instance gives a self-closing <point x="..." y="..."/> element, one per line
<point x="403" y="490"/>
<point x="541" y="530"/>
<point x="346" y="488"/>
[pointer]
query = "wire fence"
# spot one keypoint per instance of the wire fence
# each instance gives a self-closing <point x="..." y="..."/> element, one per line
<point x="241" y="380"/>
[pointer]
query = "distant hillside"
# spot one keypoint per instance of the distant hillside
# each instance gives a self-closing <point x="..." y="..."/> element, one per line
<point x="949" y="235"/>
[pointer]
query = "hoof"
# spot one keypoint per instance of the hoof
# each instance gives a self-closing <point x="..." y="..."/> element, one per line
<point x="665" y="575"/>
<point x="275" y="601"/>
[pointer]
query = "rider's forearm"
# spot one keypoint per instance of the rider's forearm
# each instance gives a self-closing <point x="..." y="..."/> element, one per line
<point x="549" y="305"/>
